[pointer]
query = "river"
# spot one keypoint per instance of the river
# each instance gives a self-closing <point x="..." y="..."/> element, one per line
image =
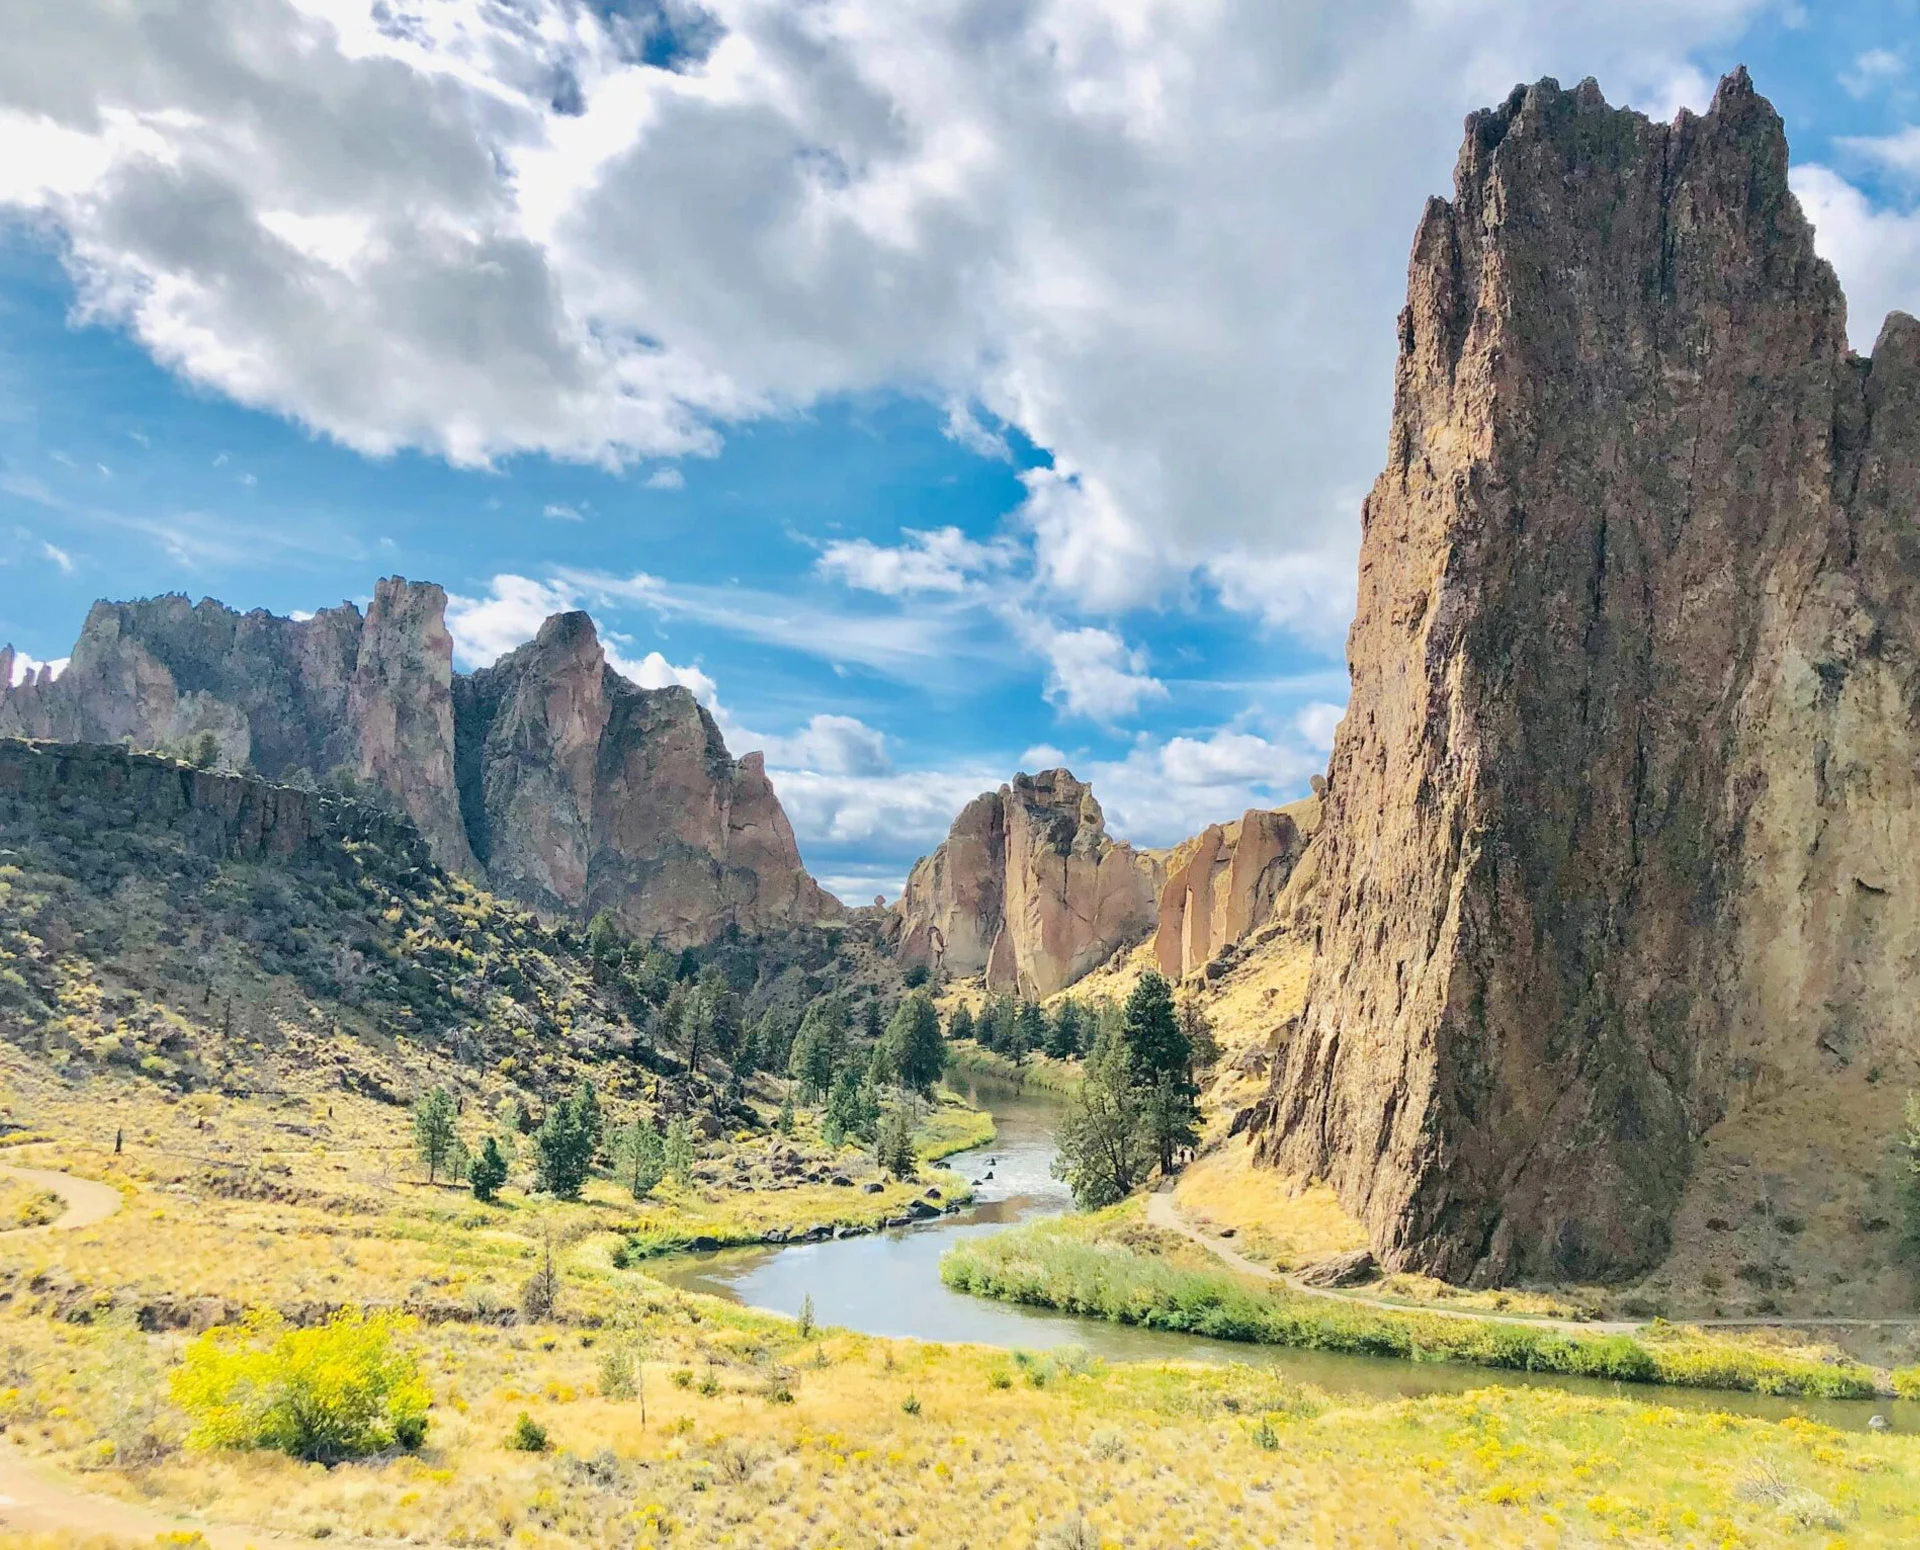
<point x="889" y="1284"/>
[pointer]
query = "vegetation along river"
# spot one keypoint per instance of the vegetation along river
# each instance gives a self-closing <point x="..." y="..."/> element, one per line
<point x="889" y="1284"/>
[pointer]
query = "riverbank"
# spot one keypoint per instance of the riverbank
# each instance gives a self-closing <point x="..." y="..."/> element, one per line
<point x="1038" y="1073"/>
<point x="1112" y="1265"/>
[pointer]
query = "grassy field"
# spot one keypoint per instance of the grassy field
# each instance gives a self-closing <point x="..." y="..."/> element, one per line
<point x="745" y="1430"/>
<point x="1109" y="1265"/>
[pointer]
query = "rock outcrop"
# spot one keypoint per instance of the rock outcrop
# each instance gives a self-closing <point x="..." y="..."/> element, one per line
<point x="1226" y="882"/>
<point x="548" y="775"/>
<point x="1624" y="815"/>
<point x="583" y="792"/>
<point x="1028" y="888"/>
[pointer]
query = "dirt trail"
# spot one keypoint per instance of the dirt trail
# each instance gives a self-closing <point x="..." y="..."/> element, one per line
<point x="87" y="1201"/>
<point x="1163" y="1212"/>
<point x="37" y="1501"/>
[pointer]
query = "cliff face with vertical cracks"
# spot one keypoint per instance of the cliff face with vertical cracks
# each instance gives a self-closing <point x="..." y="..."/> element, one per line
<point x="1624" y="814"/>
<point x="583" y="792"/>
<point x="1028" y="888"/>
<point x="548" y="774"/>
<point x="1225" y="882"/>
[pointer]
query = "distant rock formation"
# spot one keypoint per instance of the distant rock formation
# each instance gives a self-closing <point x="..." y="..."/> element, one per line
<point x="548" y="774"/>
<point x="1226" y="882"/>
<point x="1624" y="815"/>
<point x="1028" y="888"/>
<point x="583" y="792"/>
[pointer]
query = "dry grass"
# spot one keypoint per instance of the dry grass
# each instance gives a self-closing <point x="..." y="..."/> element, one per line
<point x="993" y="1451"/>
<point x="1273" y="1219"/>
<point x="22" y="1205"/>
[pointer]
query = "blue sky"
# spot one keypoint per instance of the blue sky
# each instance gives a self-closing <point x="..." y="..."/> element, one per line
<point x="937" y="395"/>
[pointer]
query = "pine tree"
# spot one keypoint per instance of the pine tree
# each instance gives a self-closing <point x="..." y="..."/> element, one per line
<point x="435" y="1135"/>
<point x="893" y="1144"/>
<point x="563" y="1147"/>
<point x="678" y="1151"/>
<point x="1064" y="1036"/>
<point x="1151" y="1029"/>
<point x="1106" y="1147"/>
<point x="818" y="1046"/>
<point x="1029" y="1029"/>
<point x="641" y="1156"/>
<point x="960" y="1025"/>
<point x="488" y="1171"/>
<point x="913" y="1041"/>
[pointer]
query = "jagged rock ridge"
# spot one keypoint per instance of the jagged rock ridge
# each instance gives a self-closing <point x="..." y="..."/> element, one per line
<point x="1623" y="817"/>
<point x="1028" y="888"/>
<point x="548" y="774"/>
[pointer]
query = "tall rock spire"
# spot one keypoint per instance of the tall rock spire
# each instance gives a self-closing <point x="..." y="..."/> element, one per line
<point x="1624" y="812"/>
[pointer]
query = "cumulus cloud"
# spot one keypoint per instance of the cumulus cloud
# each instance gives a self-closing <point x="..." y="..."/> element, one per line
<point x="484" y="629"/>
<point x="1161" y="792"/>
<point x="944" y="560"/>
<point x="560" y="511"/>
<point x="1164" y="241"/>
<point x="25" y="667"/>
<point x="1876" y="250"/>
<point x="654" y="671"/>
<point x="1091" y="671"/>
<point x="1317" y="722"/>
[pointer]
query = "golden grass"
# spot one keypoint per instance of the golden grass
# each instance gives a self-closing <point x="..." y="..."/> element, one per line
<point x="23" y="1205"/>
<point x="1274" y="1220"/>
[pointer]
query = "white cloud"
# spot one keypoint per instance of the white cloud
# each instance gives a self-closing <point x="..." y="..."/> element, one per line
<point x="25" y="667"/>
<point x="1876" y="250"/>
<point x="1898" y="153"/>
<point x="944" y="560"/>
<point x="1164" y="791"/>
<point x="1872" y="70"/>
<point x="1164" y="241"/>
<point x="58" y="556"/>
<point x="653" y="671"/>
<point x="829" y="745"/>
<point x="666" y="479"/>
<point x="1043" y="756"/>
<point x="1091" y="671"/>
<point x="1317" y="723"/>
<point x="484" y="629"/>
<point x="1310" y="594"/>
<point x="560" y="511"/>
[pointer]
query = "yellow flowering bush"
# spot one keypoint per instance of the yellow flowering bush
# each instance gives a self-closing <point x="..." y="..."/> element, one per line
<point x="340" y="1390"/>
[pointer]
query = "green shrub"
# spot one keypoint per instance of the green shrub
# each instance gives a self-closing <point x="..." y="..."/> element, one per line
<point x="341" y="1390"/>
<point x="1063" y="1265"/>
<point x="528" y="1435"/>
<point x="1906" y="1382"/>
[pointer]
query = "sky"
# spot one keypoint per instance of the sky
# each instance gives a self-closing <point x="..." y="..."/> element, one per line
<point x="937" y="390"/>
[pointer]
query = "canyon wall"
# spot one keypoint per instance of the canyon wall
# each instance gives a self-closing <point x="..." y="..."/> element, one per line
<point x="548" y="775"/>
<point x="1623" y="821"/>
<point x="1226" y="882"/>
<point x="1028" y="888"/>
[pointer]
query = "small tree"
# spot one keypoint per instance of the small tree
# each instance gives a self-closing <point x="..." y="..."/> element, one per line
<point x="642" y="1158"/>
<point x="1155" y="1045"/>
<point x="783" y="1121"/>
<point x="893" y="1145"/>
<point x="853" y="1108"/>
<point x="1064" y="1035"/>
<point x="1910" y="1155"/>
<point x="1196" y="1028"/>
<point x="1029" y="1029"/>
<point x="918" y="1052"/>
<point x="563" y="1149"/>
<point x="488" y="1171"/>
<point x="960" y="1025"/>
<point x="1106" y="1148"/>
<point x="817" y="1048"/>
<point x="678" y="1151"/>
<point x="435" y="1133"/>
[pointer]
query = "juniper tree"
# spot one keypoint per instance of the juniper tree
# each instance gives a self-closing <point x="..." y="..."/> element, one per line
<point x="435" y="1133"/>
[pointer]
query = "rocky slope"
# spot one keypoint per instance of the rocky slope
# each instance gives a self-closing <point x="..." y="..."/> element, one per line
<point x="1622" y="819"/>
<point x="1028" y="888"/>
<point x="548" y="774"/>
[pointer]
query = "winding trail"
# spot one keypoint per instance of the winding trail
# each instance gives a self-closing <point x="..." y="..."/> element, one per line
<point x="87" y="1201"/>
<point x="1162" y="1211"/>
<point x="34" y="1500"/>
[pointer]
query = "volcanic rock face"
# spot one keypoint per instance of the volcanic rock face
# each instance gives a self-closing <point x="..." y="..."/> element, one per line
<point x="548" y="774"/>
<point x="1624" y="815"/>
<point x="1029" y="888"/>
<point x="1225" y="882"/>
<point x="583" y="792"/>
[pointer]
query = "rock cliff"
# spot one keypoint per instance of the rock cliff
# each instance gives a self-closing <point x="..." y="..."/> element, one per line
<point x="1226" y="882"/>
<point x="1028" y="888"/>
<point x="548" y="774"/>
<point x="583" y="792"/>
<point x="1623" y="817"/>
